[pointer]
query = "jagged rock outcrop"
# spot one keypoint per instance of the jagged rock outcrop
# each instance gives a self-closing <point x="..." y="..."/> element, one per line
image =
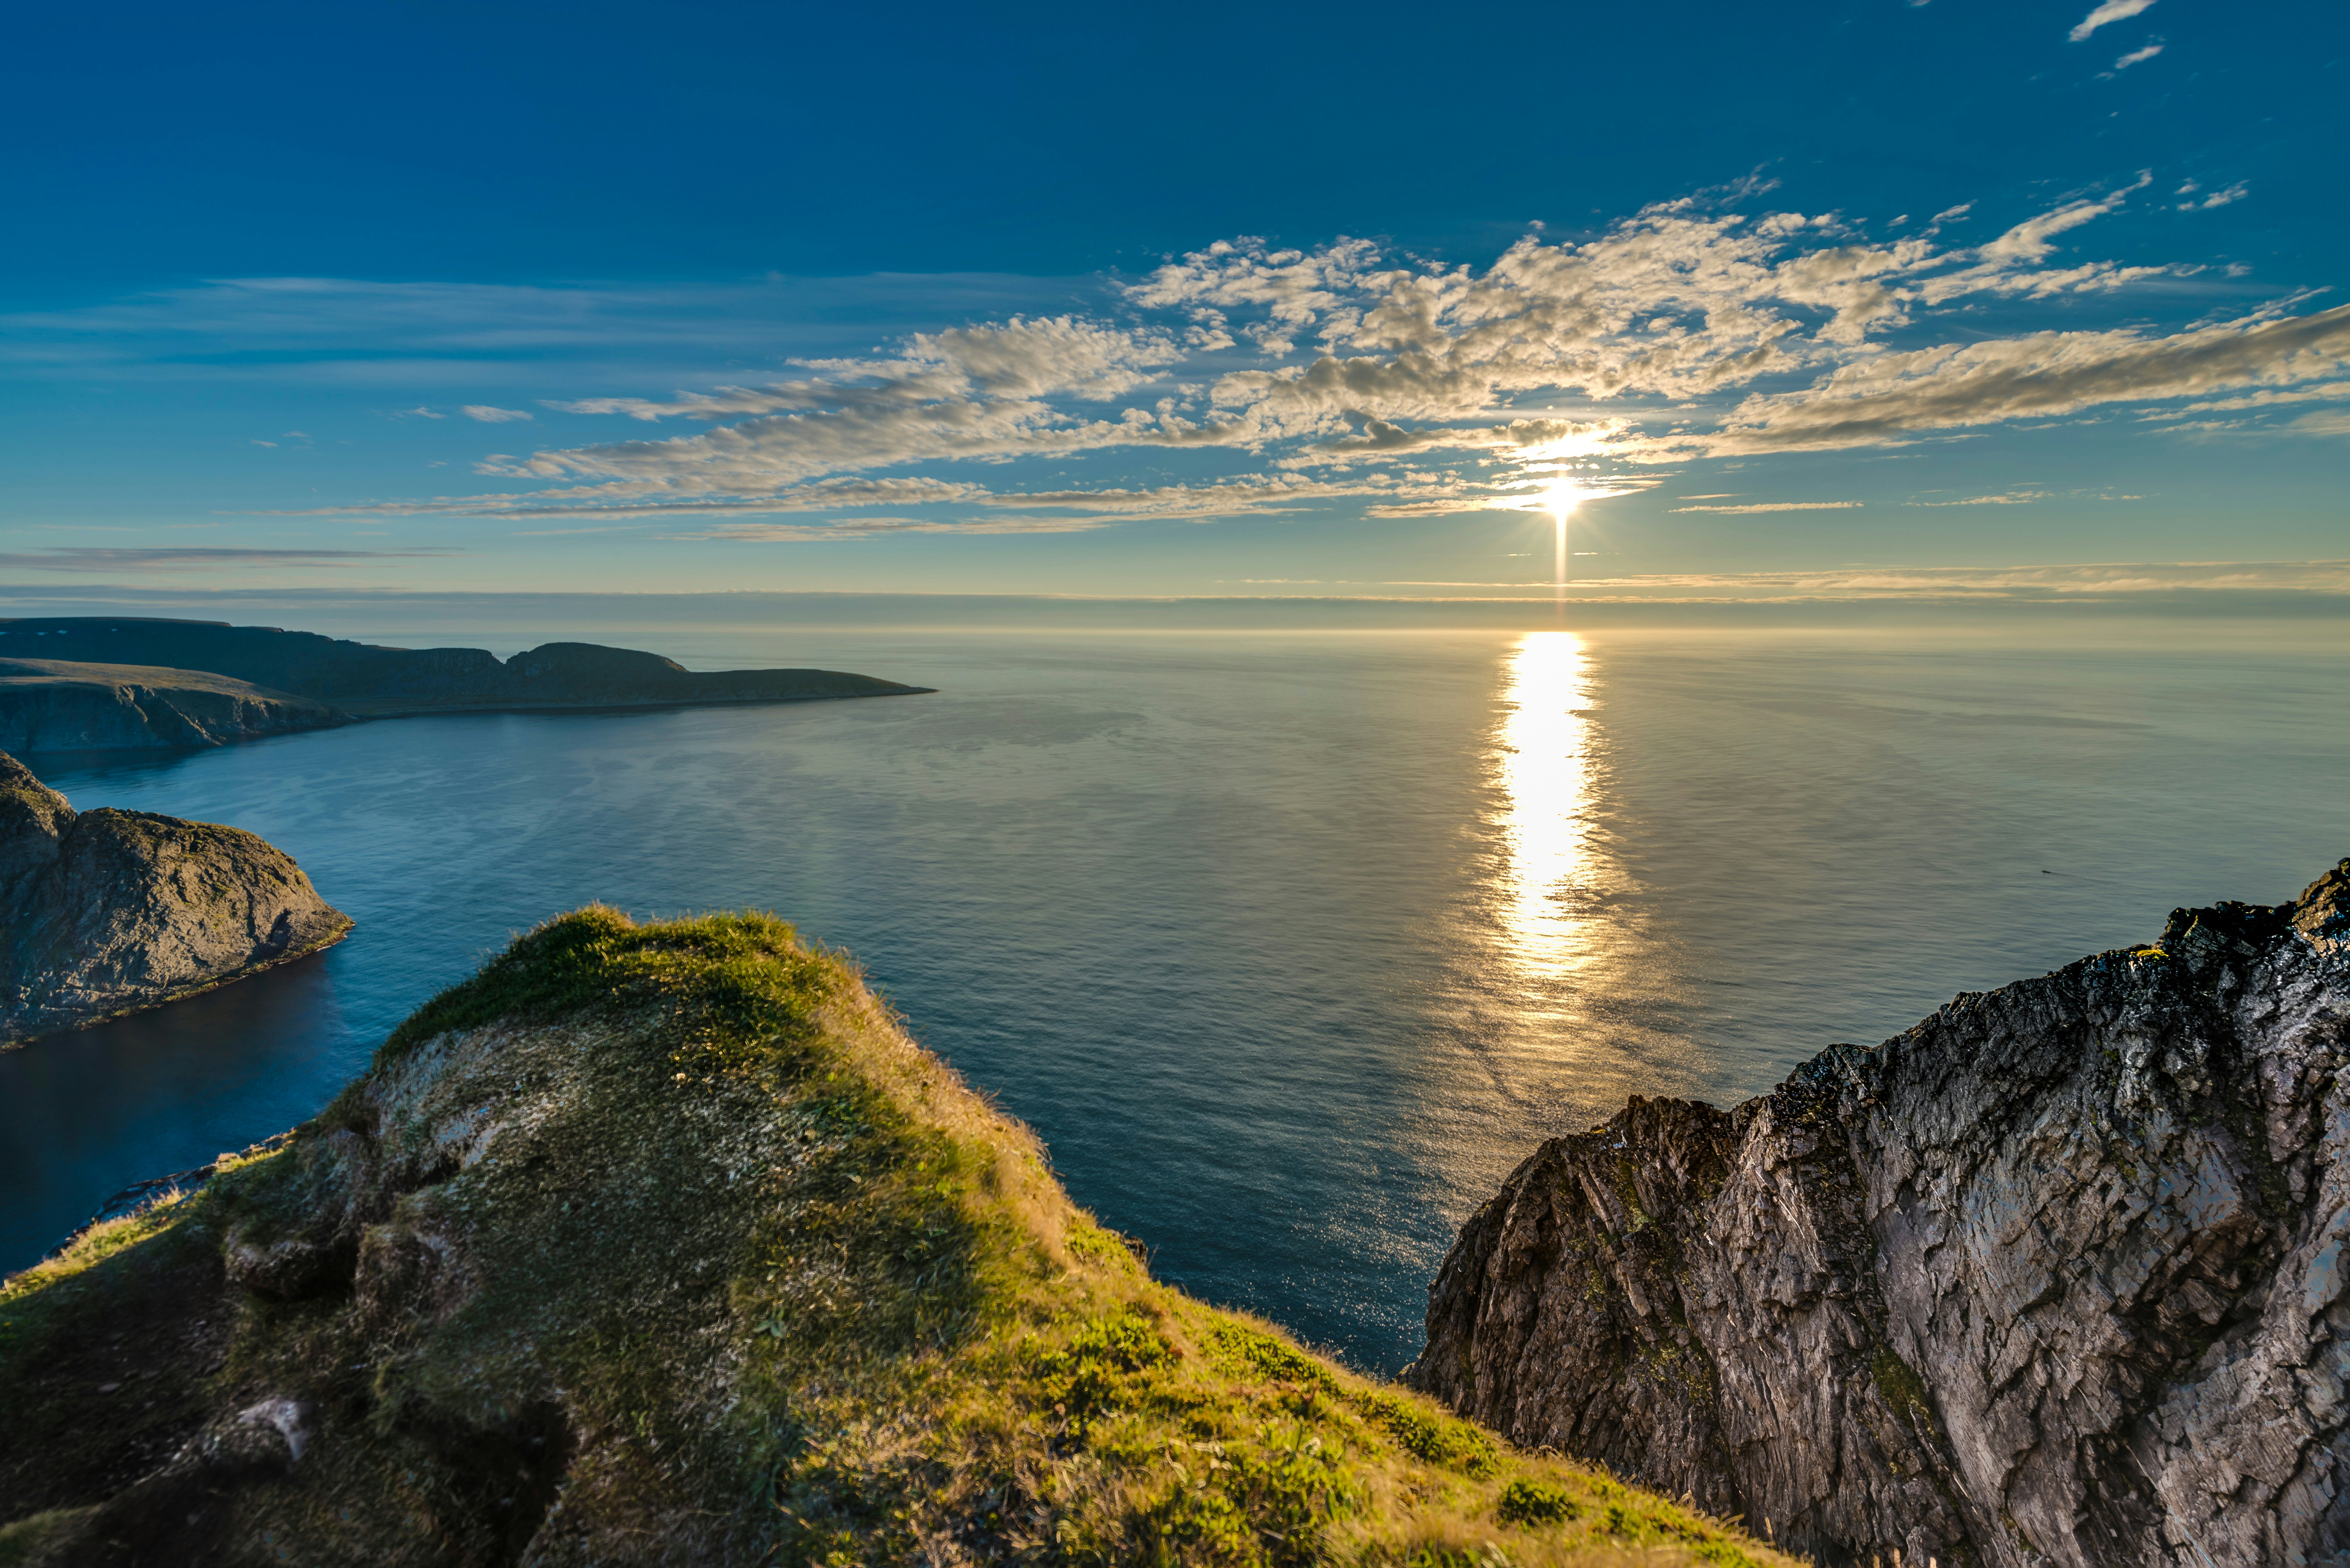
<point x="50" y="705"/>
<point x="112" y="911"/>
<point x="2057" y="1276"/>
<point x="369" y="680"/>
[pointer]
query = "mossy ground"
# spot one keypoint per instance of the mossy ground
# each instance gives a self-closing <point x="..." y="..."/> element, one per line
<point x="717" y="1266"/>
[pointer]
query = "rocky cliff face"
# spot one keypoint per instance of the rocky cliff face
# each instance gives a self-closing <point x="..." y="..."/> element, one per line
<point x="111" y="912"/>
<point x="2057" y="1276"/>
<point x="47" y="705"/>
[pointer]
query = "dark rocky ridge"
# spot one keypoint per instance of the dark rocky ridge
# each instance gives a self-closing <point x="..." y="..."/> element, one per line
<point x="50" y="705"/>
<point x="113" y="911"/>
<point x="370" y="681"/>
<point x="2057" y="1276"/>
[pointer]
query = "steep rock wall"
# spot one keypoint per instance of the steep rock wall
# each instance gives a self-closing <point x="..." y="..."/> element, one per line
<point x="52" y="706"/>
<point x="111" y="912"/>
<point x="2057" y="1276"/>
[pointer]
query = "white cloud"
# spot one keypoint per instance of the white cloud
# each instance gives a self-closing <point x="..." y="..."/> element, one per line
<point x="2235" y="193"/>
<point x="1778" y="506"/>
<point x="2110" y="11"/>
<point x="494" y="416"/>
<point x="2325" y="392"/>
<point x="842" y="530"/>
<point x="2005" y="498"/>
<point x="605" y="502"/>
<point x="1891" y="395"/>
<point x="2030" y="240"/>
<point x="2090" y="580"/>
<point x="2138" y="57"/>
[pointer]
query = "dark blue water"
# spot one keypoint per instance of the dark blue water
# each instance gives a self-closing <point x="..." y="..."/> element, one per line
<point x="1289" y="946"/>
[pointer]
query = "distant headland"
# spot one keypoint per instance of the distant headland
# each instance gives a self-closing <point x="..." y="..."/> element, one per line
<point x="119" y="682"/>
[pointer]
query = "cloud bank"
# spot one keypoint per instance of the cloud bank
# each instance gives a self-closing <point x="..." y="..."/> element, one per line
<point x="1691" y="330"/>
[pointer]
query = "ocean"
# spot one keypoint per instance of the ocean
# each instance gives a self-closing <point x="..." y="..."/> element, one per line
<point x="1289" y="945"/>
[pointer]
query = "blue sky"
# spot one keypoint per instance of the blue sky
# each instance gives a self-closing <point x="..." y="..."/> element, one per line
<point x="1870" y="299"/>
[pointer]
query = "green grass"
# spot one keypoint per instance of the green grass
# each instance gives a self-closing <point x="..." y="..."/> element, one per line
<point x="739" y="1267"/>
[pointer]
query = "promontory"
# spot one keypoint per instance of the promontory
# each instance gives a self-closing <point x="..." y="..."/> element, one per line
<point x="116" y="682"/>
<point x="665" y="1244"/>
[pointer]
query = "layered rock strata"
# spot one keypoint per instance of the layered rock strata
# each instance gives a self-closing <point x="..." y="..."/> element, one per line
<point x="50" y="705"/>
<point x="2056" y="1276"/>
<point x="112" y="911"/>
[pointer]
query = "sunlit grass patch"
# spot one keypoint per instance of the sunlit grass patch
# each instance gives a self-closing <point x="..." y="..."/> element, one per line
<point x="92" y="1247"/>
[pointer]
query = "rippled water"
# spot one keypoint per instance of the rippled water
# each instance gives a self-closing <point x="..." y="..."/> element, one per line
<point x="1289" y="946"/>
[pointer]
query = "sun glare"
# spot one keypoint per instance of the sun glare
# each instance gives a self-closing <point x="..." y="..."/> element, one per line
<point x="1543" y="766"/>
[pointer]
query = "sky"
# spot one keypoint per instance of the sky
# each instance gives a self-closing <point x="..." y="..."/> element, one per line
<point x="1865" y="299"/>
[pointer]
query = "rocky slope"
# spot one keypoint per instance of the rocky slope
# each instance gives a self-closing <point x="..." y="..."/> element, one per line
<point x="111" y="912"/>
<point x="51" y="705"/>
<point x="2057" y="1276"/>
<point x="369" y="680"/>
<point x="664" y="1244"/>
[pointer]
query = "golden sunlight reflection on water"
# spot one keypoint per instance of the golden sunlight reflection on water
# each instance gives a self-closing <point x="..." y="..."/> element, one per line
<point x="1542" y="762"/>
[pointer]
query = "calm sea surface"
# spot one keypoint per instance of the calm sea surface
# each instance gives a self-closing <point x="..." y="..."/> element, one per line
<point x="1289" y="946"/>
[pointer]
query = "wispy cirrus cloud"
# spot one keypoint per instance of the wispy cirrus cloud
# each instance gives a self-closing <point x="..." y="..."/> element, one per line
<point x="84" y="558"/>
<point x="2204" y="203"/>
<point x="2110" y="11"/>
<point x="1777" y="507"/>
<point x="657" y="501"/>
<point x="2004" y="498"/>
<point x="844" y="529"/>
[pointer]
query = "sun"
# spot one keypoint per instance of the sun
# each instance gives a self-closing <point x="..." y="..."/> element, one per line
<point x="1561" y="497"/>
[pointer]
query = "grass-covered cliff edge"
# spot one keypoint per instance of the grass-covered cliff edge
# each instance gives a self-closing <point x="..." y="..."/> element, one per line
<point x="664" y="1243"/>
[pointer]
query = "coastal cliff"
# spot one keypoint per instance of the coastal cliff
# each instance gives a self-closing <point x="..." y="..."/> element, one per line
<point x="52" y="705"/>
<point x="665" y="1244"/>
<point x="110" y="911"/>
<point x="2056" y="1276"/>
<point x="368" y="681"/>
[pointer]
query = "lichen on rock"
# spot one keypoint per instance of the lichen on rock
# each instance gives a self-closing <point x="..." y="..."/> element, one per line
<point x="2054" y="1277"/>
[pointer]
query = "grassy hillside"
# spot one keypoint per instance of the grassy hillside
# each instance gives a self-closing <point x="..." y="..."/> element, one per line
<point x="664" y="1243"/>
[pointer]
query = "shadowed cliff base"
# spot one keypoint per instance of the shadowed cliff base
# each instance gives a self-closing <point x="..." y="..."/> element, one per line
<point x="108" y="913"/>
<point x="2057" y="1276"/>
<point x="664" y="1243"/>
